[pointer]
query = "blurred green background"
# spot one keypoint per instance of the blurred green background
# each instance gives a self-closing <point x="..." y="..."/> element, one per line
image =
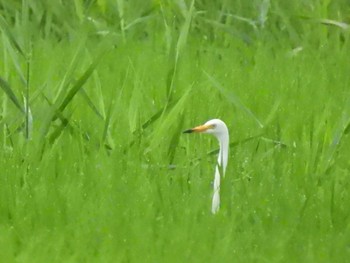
<point x="94" y="98"/>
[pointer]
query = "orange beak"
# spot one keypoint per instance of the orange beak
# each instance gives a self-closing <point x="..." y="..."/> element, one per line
<point x="200" y="128"/>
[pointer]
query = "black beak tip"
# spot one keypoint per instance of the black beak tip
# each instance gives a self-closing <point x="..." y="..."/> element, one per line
<point x="188" y="131"/>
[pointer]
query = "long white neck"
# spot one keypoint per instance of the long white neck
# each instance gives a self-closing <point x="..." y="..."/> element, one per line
<point x="223" y="153"/>
<point x="221" y="166"/>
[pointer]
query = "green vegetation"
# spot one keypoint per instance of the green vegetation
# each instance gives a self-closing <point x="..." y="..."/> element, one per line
<point x="94" y="97"/>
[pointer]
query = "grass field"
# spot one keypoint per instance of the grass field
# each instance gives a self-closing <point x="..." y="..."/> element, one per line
<point x="94" y="98"/>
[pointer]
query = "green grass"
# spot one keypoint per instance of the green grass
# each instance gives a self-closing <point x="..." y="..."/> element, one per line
<point x="96" y="169"/>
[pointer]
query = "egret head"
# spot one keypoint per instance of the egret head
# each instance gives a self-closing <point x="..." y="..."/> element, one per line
<point x="216" y="127"/>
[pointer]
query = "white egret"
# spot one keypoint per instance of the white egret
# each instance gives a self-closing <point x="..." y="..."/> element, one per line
<point x="219" y="129"/>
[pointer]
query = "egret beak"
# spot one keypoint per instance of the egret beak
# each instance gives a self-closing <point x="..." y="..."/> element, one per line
<point x="200" y="128"/>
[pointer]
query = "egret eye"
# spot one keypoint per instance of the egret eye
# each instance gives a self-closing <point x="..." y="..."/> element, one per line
<point x="213" y="126"/>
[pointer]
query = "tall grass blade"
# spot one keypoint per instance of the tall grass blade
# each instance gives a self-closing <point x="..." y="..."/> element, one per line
<point x="63" y="119"/>
<point x="180" y="45"/>
<point x="175" y="138"/>
<point x="273" y="112"/>
<point x="9" y="135"/>
<point x="57" y="132"/>
<point x="7" y="30"/>
<point x="157" y="115"/>
<point x="59" y="106"/>
<point x="107" y="122"/>
<point x="185" y="30"/>
<point x="28" y="114"/>
<point x="90" y="103"/>
<point x="69" y="74"/>
<point x="9" y="92"/>
<point x="233" y="99"/>
<point x="28" y="123"/>
<point x="16" y="59"/>
<point x="150" y="121"/>
<point x="120" y="5"/>
<point x="76" y="87"/>
<point x="106" y="138"/>
<point x="161" y="134"/>
<point x="138" y="21"/>
<point x="328" y="22"/>
<point x="336" y="142"/>
<point x="263" y="12"/>
<point x="249" y="21"/>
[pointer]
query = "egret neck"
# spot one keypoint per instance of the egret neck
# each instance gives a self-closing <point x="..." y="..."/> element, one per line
<point x="219" y="129"/>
